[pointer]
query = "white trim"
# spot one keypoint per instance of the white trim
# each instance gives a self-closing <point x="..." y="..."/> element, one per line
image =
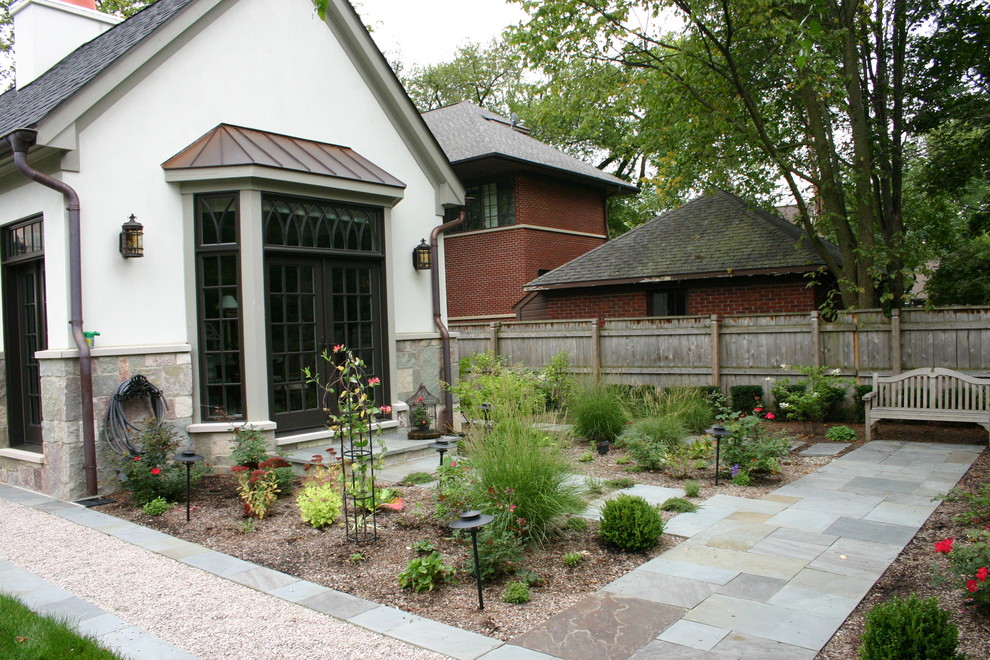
<point x="228" y="427"/>
<point x="414" y="336"/>
<point x="22" y="455"/>
<point x="323" y="434"/>
<point x="549" y="230"/>
<point x="110" y="351"/>
<point x="93" y="14"/>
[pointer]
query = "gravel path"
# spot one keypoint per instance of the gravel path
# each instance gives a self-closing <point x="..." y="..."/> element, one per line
<point x="194" y="610"/>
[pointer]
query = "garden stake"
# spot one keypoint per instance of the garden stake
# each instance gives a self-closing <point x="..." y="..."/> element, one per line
<point x="473" y="521"/>
<point x="187" y="457"/>
<point x="719" y="432"/>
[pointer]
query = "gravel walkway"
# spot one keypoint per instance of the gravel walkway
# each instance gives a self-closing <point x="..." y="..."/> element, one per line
<point x="208" y="616"/>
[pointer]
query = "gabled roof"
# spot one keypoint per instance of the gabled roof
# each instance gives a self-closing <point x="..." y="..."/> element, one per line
<point x="716" y="235"/>
<point x="467" y="132"/>
<point x="228" y="146"/>
<point x="25" y="107"/>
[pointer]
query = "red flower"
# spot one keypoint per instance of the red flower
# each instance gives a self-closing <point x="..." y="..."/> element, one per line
<point x="982" y="573"/>
<point x="945" y="545"/>
<point x="338" y="348"/>
<point x="374" y="380"/>
<point x="239" y="468"/>
<point x="137" y="458"/>
<point x="757" y="409"/>
<point x="155" y="471"/>
<point x="971" y="586"/>
<point x="769" y="416"/>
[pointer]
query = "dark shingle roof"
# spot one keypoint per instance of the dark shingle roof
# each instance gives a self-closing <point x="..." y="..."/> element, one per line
<point x="228" y="146"/>
<point x="466" y="132"/>
<point x="25" y="107"/>
<point x="714" y="235"/>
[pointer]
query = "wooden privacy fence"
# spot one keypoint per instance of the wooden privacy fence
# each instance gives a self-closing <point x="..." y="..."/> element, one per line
<point x="743" y="350"/>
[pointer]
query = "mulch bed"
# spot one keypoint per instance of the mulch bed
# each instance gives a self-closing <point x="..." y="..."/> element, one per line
<point x="282" y="542"/>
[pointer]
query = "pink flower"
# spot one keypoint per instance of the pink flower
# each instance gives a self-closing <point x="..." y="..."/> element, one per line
<point x="374" y="380"/>
<point x="945" y="545"/>
<point x="512" y="507"/>
<point x="769" y="416"/>
<point x="386" y="410"/>
<point x="453" y="464"/>
<point x="757" y="409"/>
<point x="155" y="471"/>
<point x="971" y="586"/>
<point x="982" y="573"/>
<point x="338" y="348"/>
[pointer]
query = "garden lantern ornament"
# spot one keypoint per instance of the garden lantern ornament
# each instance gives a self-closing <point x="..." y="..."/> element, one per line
<point x="131" y="238"/>
<point x="187" y="457"/>
<point x="472" y="521"/>
<point x="718" y="432"/>
<point x="443" y="445"/>
<point x="422" y="256"/>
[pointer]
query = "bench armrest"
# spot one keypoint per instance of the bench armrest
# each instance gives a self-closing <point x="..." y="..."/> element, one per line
<point x="869" y="396"/>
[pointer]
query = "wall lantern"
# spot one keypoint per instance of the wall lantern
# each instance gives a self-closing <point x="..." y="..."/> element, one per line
<point x="132" y="238"/>
<point x="422" y="256"/>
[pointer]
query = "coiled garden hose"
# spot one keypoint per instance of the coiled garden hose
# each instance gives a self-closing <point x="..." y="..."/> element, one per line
<point x="116" y="428"/>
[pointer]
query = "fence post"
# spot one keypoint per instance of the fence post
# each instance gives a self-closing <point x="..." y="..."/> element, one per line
<point x="716" y="368"/>
<point x="493" y="337"/>
<point x="895" y="341"/>
<point x="816" y="344"/>
<point x="596" y="350"/>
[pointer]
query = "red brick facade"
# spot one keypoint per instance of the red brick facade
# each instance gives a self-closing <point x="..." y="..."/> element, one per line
<point x="743" y="295"/>
<point x="486" y="270"/>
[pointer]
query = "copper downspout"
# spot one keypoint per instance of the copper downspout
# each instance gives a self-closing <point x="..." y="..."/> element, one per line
<point x="447" y="423"/>
<point x="20" y="142"/>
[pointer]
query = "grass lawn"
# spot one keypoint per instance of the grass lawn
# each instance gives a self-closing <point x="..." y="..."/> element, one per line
<point x="25" y="635"/>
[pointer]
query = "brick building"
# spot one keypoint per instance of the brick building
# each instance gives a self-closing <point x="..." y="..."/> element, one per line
<point x="714" y="255"/>
<point x="534" y="208"/>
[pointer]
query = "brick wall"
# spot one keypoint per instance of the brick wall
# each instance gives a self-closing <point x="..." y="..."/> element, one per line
<point x="765" y="295"/>
<point x="486" y="271"/>
<point x="559" y="204"/>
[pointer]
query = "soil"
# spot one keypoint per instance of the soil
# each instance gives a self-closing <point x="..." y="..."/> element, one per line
<point x="282" y="542"/>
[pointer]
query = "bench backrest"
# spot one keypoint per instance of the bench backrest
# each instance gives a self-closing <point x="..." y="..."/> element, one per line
<point x="932" y="389"/>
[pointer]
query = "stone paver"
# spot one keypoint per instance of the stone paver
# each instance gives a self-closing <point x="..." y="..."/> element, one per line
<point x="825" y="449"/>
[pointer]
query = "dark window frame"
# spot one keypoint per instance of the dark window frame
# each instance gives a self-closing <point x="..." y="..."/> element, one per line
<point x="493" y="205"/>
<point x="675" y="307"/>
<point x="213" y="409"/>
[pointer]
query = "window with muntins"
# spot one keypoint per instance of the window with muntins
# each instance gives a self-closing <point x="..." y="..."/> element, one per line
<point x="219" y="306"/>
<point x="493" y="205"/>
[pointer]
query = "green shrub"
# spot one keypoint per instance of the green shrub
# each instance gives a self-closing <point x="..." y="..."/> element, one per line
<point x="586" y="457"/>
<point x="250" y="447"/>
<point x="529" y="578"/>
<point x="512" y="391"/>
<point x="909" y="629"/>
<point x="423" y="547"/>
<point x="680" y="505"/>
<point x="752" y="446"/>
<point x="969" y="565"/>
<point x="692" y="489"/>
<point x="620" y="483"/>
<point x="500" y="550"/>
<point x="630" y="523"/>
<point x="555" y="383"/>
<point x="455" y="490"/>
<point x="841" y="434"/>
<point x="572" y="559"/>
<point x="979" y="501"/>
<point x="516" y="593"/>
<point x="319" y="504"/>
<point x="425" y="573"/>
<point x="155" y="473"/>
<point x="690" y="405"/>
<point x="859" y="406"/>
<point x="742" y="478"/>
<point x="417" y="478"/>
<point x="623" y="460"/>
<point x="815" y="397"/>
<point x="649" y="441"/>
<point x="522" y="477"/>
<point x="282" y="469"/>
<point x="157" y="506"/>
<point x="745" y="398"/>
<point x="597" y="414"/>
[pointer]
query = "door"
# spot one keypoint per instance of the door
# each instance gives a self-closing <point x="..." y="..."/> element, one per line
<point x="315" y="303"/>
<point x="24" y="330"/>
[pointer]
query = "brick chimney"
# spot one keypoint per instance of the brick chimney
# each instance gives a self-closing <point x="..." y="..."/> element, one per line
<point x="45" y="31"/>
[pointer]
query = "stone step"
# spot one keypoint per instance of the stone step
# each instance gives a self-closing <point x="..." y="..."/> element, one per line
<point x="400" y="450"/>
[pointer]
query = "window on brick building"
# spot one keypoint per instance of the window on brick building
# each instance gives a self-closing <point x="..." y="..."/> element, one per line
<point x="493" y="205"/>
<point x="668" y="303"/>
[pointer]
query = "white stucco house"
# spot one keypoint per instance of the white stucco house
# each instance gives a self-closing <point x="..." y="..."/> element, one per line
<point x="282" y="178"/>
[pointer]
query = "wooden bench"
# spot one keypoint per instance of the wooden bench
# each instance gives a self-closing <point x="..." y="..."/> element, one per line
<point x="934" y="395"/>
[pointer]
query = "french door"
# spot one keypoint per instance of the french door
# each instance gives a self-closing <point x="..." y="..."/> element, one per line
<point x="313" y="304"/>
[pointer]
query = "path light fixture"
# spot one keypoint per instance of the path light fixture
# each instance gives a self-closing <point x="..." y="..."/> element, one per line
<point x="472" y="521"/>
<point x="443" y="445"/>
<point x="187" y="457"/>
<point x="422" y="256"/>
<point x="131" y="238"/>
<point x="718" y="432"/>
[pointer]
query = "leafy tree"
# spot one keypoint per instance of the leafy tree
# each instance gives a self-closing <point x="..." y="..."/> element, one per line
<point x="121" y="8"/>
<point x="812" y="93"/>
<point x="963" y="278"/>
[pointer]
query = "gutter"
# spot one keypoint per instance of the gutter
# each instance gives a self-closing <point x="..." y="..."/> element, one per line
<point x="20" y="142"/>
<point x="447" y="423"/>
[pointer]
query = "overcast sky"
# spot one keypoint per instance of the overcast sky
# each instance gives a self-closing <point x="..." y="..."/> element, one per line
<point x="429" y="31"/>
